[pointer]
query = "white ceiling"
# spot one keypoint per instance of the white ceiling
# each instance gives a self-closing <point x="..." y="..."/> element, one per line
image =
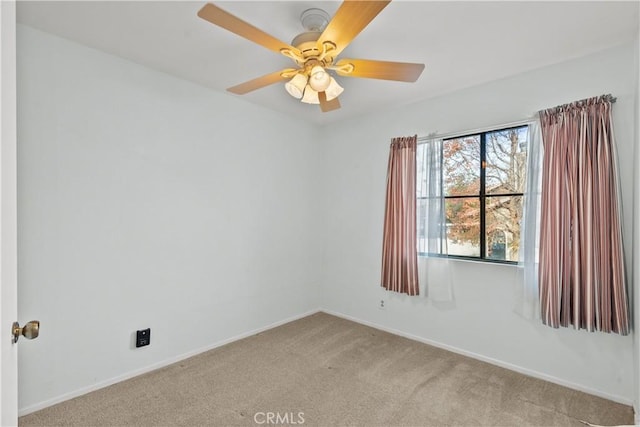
<point x="462" y="43"/>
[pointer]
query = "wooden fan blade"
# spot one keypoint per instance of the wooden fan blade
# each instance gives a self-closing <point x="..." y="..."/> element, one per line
<point x="258" y="83"/>
<point x="327" y="106"/>
<point x="224" y="19"/>
<point x="350" y="18"/>
<point x="384" y="70"/>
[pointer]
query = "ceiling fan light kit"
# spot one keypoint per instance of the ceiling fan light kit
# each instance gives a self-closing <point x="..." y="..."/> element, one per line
<point x="296" y="86"/>
<point x="319" y="79"/>
<point x="310" y="96"/>
<point x="334" y="90"/>
<point x="315" y="50"/>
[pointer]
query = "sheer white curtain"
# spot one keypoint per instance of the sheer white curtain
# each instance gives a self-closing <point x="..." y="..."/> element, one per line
<point x="434" y="271"/>
<point x="527" y="299"/>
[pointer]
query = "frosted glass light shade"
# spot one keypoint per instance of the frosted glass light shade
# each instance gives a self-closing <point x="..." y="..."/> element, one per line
<point x="334" y="90"/>
<point x="310" y="96"/>
<point x="296" y="86"/>
<point x="319" y="79"/>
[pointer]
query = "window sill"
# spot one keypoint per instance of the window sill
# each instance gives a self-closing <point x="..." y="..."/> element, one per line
<point x="470" y="259"/>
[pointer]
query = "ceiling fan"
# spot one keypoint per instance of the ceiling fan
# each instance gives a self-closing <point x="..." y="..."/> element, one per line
<point x="315" y="50"/>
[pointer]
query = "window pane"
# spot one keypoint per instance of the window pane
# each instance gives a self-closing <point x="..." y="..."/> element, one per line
<point x="463" y="226"/>
<point x="506" y="155"/>
<point x="462" y="166"/>
<point x="503" y="215"/>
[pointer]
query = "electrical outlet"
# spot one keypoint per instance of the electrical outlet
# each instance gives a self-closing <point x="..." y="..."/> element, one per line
<point x="143" y="337"/>
<point x="382" y="305"/>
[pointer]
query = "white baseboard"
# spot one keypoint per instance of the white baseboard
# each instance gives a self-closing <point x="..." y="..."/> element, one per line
<point x="502" y="364"/>
<point x="102" y="384"/>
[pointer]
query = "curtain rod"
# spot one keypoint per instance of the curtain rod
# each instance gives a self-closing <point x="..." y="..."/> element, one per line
<point x="435" y="135"/>
<point x="607" y="97"/>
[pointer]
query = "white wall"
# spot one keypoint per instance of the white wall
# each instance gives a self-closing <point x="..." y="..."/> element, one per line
<point x="147" y="201"/>
<point x="482" y="322"/>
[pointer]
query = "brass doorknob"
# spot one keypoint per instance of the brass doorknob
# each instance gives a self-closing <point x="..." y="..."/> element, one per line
<point x="29" y="331"/>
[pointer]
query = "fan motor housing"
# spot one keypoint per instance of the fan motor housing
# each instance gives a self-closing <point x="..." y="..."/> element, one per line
<point x="306" y="43"/>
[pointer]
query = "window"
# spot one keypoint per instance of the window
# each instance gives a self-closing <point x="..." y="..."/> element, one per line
<point x="483" y="178"/>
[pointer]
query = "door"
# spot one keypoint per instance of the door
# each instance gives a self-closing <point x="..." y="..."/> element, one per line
<point x="8" y="216"/>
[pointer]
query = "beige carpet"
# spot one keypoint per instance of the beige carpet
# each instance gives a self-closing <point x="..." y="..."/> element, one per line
<point x="326" y="371"/>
